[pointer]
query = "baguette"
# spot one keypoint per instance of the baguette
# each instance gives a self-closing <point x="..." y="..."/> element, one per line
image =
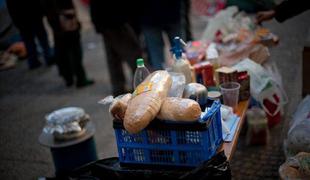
<point x="179" y="109"/>
<point x="145" y="105"/>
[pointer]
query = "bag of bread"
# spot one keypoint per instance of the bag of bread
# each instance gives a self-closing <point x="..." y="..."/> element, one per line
<point x="146" y="101"/>
<point x="118" y="105"/>
<point x="179" y="109"/>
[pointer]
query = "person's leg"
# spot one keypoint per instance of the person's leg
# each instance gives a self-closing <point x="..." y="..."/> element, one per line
<point x="76" y="59"/>
<point x="114" y="62"/>
<point x="129" y="39"/>
<point x="29" y="40"/>
<point x="174" y="30"/>
<point x="63" y="61"/>
<point x="43" y="40"/>
<point x="155" y="46"/>
<point x="185" y="19"/>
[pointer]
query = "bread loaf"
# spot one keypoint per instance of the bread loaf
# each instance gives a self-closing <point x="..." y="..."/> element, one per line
<point x="119" y="106"/>
<point x="179" y="109"/>
<point x="146" y="101"/>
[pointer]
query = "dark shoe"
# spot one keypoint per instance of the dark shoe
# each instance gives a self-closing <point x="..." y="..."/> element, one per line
<point x="35" y="65"/>
<point x="69" y="83"/>
<point x="50" y="62"/>
<point x="84" y="83"/>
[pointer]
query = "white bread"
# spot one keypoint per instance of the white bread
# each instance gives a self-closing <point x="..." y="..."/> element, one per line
<point x="179" y="109"/>
<point x="142" y="108"/>
<point x="119" y="106"/>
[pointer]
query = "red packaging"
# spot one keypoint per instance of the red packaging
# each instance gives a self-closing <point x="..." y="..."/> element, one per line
<point x="276" y="118"/>
<point x="207" y="75"/>
<point x="204" y="73"/>
<point x="244" y="81"/>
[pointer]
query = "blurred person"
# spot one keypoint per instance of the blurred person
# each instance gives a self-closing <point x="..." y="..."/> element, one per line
<point x="158" y="17"/>
<point x="185" y="19"/>
<point x="28" y="18"/>
<point x="8" y="32"/>
<point x="287" y="9"/>
<point x="62" y="17"/>
<point x="111" y="19"/>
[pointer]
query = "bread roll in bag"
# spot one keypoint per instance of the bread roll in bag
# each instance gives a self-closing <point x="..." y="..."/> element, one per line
<point x="179" y="109"/>
<point x="144" y="106"/>
<point x="119" y="106"/>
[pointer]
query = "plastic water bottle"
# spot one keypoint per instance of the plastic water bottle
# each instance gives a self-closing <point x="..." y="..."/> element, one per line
<point x="141" y="73"/>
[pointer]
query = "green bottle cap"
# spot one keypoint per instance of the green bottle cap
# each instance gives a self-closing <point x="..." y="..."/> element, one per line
<point x="140" y="62"/>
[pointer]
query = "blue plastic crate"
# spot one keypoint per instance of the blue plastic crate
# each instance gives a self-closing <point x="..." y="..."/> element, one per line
<point x="171" y="143"/>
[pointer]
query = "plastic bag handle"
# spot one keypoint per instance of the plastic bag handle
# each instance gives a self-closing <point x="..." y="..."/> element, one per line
<point x="283" y="95"/>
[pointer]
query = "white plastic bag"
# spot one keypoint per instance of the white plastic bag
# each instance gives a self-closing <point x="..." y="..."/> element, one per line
<point x="298" y="138"/>
<point x="273" y="71"/>
<point x="259" y="78"/>
<point x="222" y="20"/>
<point x="264" y="84"/>
<point x="302" y="113"/>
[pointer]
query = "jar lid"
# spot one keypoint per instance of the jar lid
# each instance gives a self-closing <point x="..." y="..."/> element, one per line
<point x="214" y="94"/>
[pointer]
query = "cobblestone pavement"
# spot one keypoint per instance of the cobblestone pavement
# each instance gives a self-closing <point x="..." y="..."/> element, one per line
<point x="27" y="96"/>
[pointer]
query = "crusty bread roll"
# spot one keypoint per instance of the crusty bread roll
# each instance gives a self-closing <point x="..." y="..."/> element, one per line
<point x="119" y="106"/>
<point x="144" y="106"/>
<point x="288" y="172"/>
<point x="179" y="109"/>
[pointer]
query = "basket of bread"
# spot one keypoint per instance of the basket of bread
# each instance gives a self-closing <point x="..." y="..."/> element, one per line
<point x="154" y="129"/>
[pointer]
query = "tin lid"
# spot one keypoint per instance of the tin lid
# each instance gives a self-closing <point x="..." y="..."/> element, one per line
<point x="214" y="95"/>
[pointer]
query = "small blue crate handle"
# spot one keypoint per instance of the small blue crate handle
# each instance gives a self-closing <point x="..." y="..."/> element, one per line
<point x="214" y="108"/>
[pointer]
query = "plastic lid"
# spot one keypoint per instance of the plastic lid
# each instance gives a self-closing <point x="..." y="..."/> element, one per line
<point x="214" y="94"/>
<point x="177" y="49"/>
<point x="140" y="62"/>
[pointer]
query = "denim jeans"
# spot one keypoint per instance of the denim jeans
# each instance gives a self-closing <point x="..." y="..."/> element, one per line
<point x="154" y="41"/>
<point x="69" y="56"/>
<point x="29" y="35"/>
<point x="121" y="45"/>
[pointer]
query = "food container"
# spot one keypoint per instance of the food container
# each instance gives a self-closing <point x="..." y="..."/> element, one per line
<point x="69" y="134"/>
<point x="204" y="73"/>
<point x="213" y="96"/>
<point x="226" y="74"/>
<point x="66" y="123"/>
<point x="197" y="92"/>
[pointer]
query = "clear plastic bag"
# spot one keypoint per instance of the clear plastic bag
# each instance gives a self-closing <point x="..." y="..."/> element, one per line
<point x="264" y="84"/>
<point x="178" y="84"/>
<point x="66" y="121"/>
<point x="299" y="134"/>
<point x="118" y="105"/>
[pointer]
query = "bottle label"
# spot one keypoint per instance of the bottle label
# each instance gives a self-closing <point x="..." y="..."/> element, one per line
<point x="143" y="87"/>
